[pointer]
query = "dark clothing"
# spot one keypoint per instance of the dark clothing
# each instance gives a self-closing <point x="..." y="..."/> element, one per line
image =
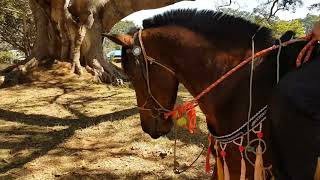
<point x="302" y="88"/>
<point x="295" y="123"/>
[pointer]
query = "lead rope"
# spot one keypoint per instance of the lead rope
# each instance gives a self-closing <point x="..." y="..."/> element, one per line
<point x="176" y="170"/>
<point x="250" y="88"/>
<point x="278" y="60"/>
<point x="258" y="168"/>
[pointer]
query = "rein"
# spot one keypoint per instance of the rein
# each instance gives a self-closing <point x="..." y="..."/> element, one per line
<point x="137" y="51"/>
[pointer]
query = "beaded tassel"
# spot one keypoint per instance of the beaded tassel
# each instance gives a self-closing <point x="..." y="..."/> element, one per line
<point x="219" y="163"/>
<point x="258" y="166"/>
<point x="243" y="169"/>
<point x="225" y="165"/>
<point x="317" y="173"/>
<point x="243" y="164"/>
<point x="225" y="169"/>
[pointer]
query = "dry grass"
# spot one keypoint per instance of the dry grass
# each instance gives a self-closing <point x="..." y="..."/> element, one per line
<point x="3" y="66"/>
<point x="63" y="128"/>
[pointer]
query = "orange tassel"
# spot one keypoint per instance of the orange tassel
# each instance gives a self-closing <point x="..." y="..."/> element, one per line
<point x="226" y="170"/>
<point x="192" y="120"/>
<point x="243" y="170"/>
<point x="219" y="169"/>
<point x="258" y="166"/>
<point x="219" y="164"/>
<point x="317" y="174"/>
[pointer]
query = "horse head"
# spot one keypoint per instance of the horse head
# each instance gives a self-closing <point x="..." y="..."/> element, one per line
<point x="155" y="86"/>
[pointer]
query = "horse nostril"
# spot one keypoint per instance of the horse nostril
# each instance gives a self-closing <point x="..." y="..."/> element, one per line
<point x="155" y="135"/>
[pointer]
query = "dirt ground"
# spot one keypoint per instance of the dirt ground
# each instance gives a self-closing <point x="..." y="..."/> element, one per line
<point x="66" y="127"/>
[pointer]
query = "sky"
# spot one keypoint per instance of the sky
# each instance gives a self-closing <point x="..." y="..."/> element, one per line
<point x="246" y="5"/>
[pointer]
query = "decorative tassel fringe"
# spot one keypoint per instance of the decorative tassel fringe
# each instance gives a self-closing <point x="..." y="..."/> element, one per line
<point x="317" y="174"/>
<point x="208" y="166"/>
<point x="226" y="170"/>
<point x="219" y="169"/>
<point x="243" y="170"/>
<point x="219" y="163"/>
<point x="258" y="167"/>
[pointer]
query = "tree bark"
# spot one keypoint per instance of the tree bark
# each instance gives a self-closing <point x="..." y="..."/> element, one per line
<point x="70" y="30"/>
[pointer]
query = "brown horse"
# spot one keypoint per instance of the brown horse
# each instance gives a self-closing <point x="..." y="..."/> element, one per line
<point x="195" y="48"/>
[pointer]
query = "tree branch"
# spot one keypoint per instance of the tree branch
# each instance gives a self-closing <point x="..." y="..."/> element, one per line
<point x="225" y="5"/>
<point x="271" y="10"/>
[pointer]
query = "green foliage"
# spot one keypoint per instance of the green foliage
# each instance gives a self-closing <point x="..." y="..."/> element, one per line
<point x="6" y="57"/>
<point x="309" y="21"/>
<point x="280" y="27"/>
<point x="122" y="27"/>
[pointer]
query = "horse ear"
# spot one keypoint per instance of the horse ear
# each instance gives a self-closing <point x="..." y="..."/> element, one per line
<point x="121" y="39"/>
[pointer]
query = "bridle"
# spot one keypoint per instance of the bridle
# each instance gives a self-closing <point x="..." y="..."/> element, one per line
<point x="145" y="61"/>
<point x="139" y="52"/>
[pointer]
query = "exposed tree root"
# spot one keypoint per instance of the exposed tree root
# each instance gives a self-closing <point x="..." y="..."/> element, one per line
<point x="22" y="73"/>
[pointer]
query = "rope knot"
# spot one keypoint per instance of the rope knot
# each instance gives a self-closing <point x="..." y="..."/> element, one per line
<point x="185" y="109"/>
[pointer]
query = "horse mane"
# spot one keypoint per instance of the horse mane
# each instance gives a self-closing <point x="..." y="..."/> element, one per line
<point x="219" y="26"/>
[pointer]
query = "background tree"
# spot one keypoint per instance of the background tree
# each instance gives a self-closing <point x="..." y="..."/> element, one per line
<point x="121" y="27"/>
<point x="309" y="21"/>
<point x="269" y="8"/>
<point x="315" y="6"/>
<point x="16" y="25"/>
<point x="280" y="27"/>
<point x="71" y="30"/>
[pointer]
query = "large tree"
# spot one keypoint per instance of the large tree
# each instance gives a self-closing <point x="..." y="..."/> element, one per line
<point x="16" y="25"/>
<point x="70" y="30"/>
<point x="309" y="21"/>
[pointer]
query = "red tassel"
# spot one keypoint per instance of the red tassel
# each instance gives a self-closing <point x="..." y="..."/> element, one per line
<point x="208" y="166"/>
<point x="192" y="120"/>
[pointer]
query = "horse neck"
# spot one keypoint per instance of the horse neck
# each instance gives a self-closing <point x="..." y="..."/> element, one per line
<point x="199" y="63"/>
<point x="230" y="101"/>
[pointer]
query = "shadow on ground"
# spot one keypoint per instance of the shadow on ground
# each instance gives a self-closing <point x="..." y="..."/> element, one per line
<point x="66" y="129"/>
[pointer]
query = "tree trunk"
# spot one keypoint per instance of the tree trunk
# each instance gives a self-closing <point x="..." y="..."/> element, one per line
<point x="70" y="30"/>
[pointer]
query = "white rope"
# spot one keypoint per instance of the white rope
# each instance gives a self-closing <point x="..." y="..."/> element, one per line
<point x="250" y="90"/>
<point x="278" y="60"/>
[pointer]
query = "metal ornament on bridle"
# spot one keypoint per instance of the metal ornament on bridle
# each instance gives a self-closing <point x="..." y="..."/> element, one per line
<point x="136" y="51"/>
